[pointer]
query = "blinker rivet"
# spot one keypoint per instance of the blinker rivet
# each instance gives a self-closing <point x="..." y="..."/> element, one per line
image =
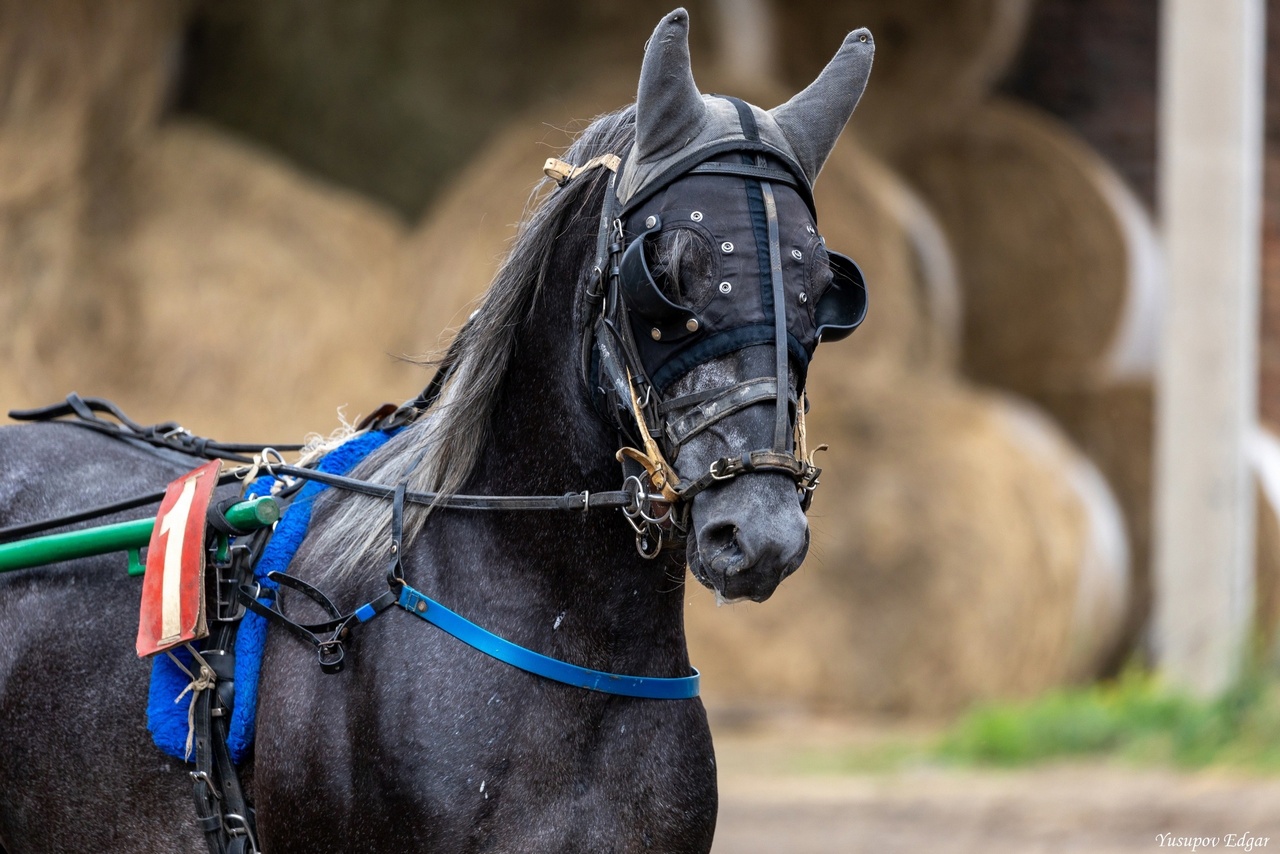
<point x="862" y="37"/>
<point x="421" y="606"/>
<point x="651" y="222"/>
<point x="797" y="254"/>
<point x="726" y="247"/>
<point x="725" y="287"/>
<point x="394" y="548"/>
<point x="804" y="298"/>
<point x="691" y="324"/>
<point x="655" y="333"/>
<point x="696" y="216"/>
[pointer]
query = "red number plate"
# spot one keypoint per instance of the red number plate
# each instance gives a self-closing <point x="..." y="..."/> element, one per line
<point x="173" y="587"/>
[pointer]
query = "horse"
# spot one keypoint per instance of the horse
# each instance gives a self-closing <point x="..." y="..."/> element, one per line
<point x="666" y="295"/>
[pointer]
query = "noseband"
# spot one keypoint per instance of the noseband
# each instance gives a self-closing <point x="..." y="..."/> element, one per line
<point x="639" y="339"/>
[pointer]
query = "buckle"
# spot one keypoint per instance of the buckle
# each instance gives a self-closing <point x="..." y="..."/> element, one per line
<point x="727" y="468"/>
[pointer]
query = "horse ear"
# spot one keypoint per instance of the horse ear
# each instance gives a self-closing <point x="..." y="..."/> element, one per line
<point x="813" y="119"/>
<point x="669" y="109"/>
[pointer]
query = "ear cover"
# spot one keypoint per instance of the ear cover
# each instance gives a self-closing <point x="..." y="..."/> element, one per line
<point x="813" y="119"/>
<point x="844" y="305"/>
<point x="669" y="109"/>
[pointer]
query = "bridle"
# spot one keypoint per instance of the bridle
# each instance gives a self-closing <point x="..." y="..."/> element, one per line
<point x="639" y="340"/>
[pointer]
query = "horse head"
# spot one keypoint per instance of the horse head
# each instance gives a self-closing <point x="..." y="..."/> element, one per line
<point x="715" y="288"/>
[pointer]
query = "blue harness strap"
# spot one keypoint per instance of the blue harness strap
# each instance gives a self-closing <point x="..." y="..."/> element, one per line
<point x="648" y="687"/>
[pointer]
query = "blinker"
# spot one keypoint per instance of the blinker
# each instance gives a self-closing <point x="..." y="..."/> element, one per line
<point x="670" y="321"/>
<point x="844" y="304"/>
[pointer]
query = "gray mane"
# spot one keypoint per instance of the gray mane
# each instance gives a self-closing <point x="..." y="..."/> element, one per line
<point x="438" y="452"/>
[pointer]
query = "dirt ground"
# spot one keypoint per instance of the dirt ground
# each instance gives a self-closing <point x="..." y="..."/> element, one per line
<point x="781" y="790"/>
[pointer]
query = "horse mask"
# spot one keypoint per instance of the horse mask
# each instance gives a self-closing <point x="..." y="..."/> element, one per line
<point x="737" y="179"/>
<point x="686" y="143"/>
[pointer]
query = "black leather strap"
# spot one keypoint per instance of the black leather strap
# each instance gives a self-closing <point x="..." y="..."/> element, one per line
<point x="746" y="170"/>
<point x="87" y="413"/>
<point x="327" y="637"/>
<point x="727" y="468"/>
<point x="727" y="402"/>
<point x="569" y="501"/>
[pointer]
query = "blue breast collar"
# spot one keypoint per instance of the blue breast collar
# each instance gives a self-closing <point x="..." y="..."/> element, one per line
<point x="649" y="687"/>
<point x="328" y="637"/>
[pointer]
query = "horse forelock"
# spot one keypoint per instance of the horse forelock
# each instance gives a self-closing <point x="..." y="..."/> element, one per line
<point x="438" y="452"/>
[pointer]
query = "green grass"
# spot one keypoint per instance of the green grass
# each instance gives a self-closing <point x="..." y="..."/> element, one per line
<point x="1134" y="719"/>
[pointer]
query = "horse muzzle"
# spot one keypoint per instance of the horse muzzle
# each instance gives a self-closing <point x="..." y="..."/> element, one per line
<point x="748" y="535"/>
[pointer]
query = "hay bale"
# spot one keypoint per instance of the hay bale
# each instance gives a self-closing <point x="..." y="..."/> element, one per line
<point x="962" y="550"/>
<point x="1114" y="424"/>
<point x="83" y="82"/>
<point x="300" y="280"/>
<point x="1077" y="309"/>
<point x="258" y="301"/>
<point x="936" y="60"/>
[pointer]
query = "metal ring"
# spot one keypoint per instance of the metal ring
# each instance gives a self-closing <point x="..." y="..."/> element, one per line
<point x="632" y="511"/>
<point x="657" y="545"/>
<point x="658" y="520"/>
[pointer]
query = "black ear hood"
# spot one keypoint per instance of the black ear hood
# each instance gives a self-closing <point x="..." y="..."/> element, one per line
<point x="677" y="125"/>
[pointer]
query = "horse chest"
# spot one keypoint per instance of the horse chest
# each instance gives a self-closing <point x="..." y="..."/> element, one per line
<point x="445" y="751"/>
<point x="524" y="778"/>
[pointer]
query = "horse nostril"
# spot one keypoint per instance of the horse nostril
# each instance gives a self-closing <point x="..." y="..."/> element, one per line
<point x="720" y="534"/>
<point x="721" y="542"/>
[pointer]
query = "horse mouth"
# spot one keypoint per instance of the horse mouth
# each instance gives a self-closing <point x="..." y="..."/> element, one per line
<point x="723" y="569"/>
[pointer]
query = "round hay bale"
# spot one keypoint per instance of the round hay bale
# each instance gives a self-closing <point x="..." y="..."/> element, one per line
<point x="258" y="300"/>
<point x="1059" y="262"/>
<point x="83" y="82"/>
<point x="913" y="320"/>
<point x="936" y="60"/>
<point x="1114" y="424"/>
<point x="962" y="550"/>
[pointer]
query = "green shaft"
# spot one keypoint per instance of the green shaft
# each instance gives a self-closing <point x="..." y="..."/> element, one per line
<point x="121" y="537"/>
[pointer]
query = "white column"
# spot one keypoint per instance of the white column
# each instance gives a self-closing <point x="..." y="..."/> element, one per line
<point x="1210" y="173"/>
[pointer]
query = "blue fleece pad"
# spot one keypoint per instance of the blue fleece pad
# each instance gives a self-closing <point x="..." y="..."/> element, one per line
<point x="166" y="711"/>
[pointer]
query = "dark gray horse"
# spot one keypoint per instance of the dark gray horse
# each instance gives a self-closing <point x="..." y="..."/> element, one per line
<point x="422" y="743"/>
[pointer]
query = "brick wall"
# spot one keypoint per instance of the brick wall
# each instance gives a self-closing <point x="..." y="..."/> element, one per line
<point x="1093" y="63"/>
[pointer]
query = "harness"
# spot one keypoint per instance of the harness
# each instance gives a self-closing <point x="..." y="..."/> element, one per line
<point x="771" y="288"/>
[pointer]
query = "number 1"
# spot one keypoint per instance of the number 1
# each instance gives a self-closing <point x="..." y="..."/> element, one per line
<point x="175" y="525"/>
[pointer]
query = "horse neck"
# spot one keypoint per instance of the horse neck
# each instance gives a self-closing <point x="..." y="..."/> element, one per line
<point x="547" y="440"/>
